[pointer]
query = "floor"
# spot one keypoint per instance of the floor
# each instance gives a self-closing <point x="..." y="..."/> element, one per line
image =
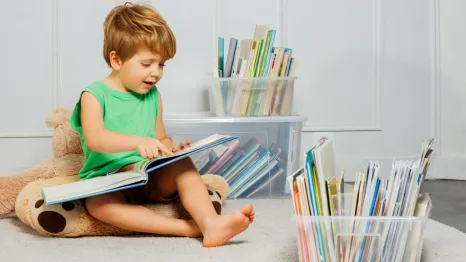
<point x="272" y="237"/>
<point x="448" y="202"/>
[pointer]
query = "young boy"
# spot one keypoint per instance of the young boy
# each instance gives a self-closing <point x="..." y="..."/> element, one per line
<point x="120" y="123"/>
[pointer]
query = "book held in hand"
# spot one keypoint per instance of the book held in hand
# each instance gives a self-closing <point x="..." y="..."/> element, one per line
<point x="138" y="176"/>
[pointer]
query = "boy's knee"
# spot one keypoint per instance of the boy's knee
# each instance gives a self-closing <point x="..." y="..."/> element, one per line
<point x="175" y="170"/>
<point x="95" y="207"/>
<point x="100" y="207"/>
<point x="185" y="164"/>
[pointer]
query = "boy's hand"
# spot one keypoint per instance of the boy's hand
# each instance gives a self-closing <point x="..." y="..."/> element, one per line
<point x="151" y="148"/>
<point x="181" y="146"/>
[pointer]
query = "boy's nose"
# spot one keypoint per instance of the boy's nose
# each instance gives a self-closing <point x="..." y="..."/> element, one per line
<point x="155" y="73"/>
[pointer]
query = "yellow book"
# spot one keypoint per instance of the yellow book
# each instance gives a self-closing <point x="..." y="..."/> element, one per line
<point x="320" y="212"/>
<point x="340" y="205"/>
<point x="253" y="73"/>
<point x="247" y="89"/>
<point x="317" y="191"/>
<point x="331" y="191"/>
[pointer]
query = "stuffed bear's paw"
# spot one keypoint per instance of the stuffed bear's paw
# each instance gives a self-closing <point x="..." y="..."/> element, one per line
<point x="55" y="220"/>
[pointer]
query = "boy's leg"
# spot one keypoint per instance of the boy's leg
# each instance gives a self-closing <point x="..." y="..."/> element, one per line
<point x="183" y="177"/>
<point x="113" y="209"/>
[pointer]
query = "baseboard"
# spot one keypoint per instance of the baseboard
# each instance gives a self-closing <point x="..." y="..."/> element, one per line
<point x="9" y="170"/>
<point x="448" y="168"/>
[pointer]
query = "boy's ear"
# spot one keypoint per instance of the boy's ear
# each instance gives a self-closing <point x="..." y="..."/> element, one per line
<point x="115" y="61"/>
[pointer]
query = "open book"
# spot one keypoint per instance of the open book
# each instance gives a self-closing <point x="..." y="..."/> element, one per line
<point x="123" y="180"/>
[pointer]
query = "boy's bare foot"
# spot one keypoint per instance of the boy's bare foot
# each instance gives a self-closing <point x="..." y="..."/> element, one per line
<point x="223" y="227"/>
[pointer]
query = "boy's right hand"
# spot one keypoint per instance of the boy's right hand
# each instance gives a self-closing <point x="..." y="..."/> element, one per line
<point x="151" y="148"/>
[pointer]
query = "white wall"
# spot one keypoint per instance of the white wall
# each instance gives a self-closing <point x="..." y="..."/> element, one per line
<point x="377" y="76"/>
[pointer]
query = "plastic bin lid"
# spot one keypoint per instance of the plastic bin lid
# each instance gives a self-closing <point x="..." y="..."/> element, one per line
<point x="208" y="118"/>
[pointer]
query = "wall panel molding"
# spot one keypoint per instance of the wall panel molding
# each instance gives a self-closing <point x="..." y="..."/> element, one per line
<point x="56" y="75"/>
<point x="12" y="170"/>
<point x="376" y="124"/>
<point x="26" y="134"/>
<point x="436" y="87"/>
<point x="55" y="45"/>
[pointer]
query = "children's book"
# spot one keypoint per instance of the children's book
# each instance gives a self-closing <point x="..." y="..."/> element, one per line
<point x="128" y="179"/>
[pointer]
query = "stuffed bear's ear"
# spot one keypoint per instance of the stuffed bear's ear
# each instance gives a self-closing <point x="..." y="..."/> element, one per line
<point x="57" y="117"/>
<point x="218" y="183"/>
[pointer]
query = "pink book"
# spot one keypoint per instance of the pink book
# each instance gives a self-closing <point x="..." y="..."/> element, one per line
<point x="232" y="146"/>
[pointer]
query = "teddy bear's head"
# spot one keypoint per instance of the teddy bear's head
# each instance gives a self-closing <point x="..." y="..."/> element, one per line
<point x="47" y="220"/>
<point x="65" y="140"/>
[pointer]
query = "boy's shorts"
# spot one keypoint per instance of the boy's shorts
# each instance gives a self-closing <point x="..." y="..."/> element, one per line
<point x="147" y="193"/>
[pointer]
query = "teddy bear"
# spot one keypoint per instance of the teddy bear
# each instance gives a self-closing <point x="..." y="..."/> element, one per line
<point x="71" y="219"/>
<point x="67" y="160"/>
<point x="21" y="192"/>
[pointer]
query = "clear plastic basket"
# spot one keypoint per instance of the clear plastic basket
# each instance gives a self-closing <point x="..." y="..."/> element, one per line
<point x="258" y="96"/>
<point x="239" y="167"/>
<point x="354" y="238"/>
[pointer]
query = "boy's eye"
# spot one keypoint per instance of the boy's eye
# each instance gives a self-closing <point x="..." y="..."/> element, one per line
<point x="146" y="65"/>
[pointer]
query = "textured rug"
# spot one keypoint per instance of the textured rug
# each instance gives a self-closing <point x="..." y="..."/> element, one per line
<point x="272" y="237"/>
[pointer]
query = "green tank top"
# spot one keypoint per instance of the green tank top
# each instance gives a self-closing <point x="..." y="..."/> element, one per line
<point x="122" y="112"/>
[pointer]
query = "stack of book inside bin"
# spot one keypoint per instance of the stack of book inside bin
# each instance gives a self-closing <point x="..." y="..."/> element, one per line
<point x="381" y="219"/>
<point x="248" y="168"/>
<point x="255" y="79"/>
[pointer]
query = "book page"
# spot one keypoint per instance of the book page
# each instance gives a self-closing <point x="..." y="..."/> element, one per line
<point x="208" y="142"/>
<point x="84" y="188"/>
<point x="198" y="145"/>
<point x="203" y="143"/>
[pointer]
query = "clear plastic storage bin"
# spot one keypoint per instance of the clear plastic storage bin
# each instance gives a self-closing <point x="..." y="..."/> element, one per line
<point x="354" y="238"/>
<point x="260" y="96"/>
<point x="255" y="165"/>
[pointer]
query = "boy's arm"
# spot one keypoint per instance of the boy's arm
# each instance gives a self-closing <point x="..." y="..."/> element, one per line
<point x="97" y="137"/>
<point x="160" y="132"/>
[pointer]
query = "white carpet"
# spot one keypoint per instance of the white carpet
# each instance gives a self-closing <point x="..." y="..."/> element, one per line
<point x="443" y="243"/>
<point x="272" y="237"/>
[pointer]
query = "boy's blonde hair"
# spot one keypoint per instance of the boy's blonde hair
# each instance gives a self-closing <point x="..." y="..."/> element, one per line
<point x="130" y="27"/>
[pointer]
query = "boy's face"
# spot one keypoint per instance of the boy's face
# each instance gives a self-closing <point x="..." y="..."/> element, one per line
<point x="142" y="71"/>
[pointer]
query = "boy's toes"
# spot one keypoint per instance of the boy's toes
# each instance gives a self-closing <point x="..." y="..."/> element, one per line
<point x="247" y="210"/>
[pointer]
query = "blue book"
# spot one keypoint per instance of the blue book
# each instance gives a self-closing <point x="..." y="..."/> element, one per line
<point x="128" y="179"/>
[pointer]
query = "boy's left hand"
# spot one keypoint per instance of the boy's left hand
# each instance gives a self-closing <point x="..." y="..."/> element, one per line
<point x="181" y="146"/>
